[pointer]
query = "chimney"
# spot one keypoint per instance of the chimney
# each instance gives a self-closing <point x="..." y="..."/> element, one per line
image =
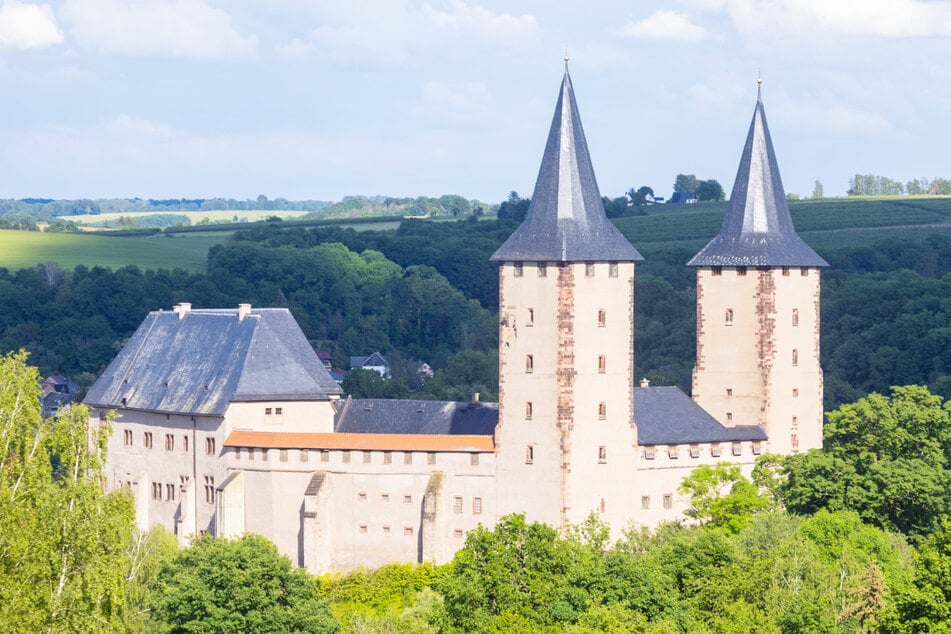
<point x="645" y="382"/>
<point x="243" y="311"/>
<point x="182" y="309"/>
<point x="475" y="397"/>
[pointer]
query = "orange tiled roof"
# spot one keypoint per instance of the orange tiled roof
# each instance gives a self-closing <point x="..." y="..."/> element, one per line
<point x="383" y="442"/>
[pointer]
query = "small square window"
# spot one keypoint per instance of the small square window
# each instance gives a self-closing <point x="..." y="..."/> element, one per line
<point x="431" y="457"/>
<point x="345" y="456"/>
<point x="408" y="457"/>
<point x="729" y="415"/>
<point x="737" y="449"/>
<point x="267" y="411"/>
<point x="757" y="449"/>
<point x="694" y="451"/>
<point x="386" y="530"/>
<point x="716" y="451"/>
<point x="795" y="392"/>
<point x="408" y="531"/>
<point x="367" y="457"/>
<point x="387" y="457"/>
<point x="645" y="502"/>
<point x="251" y="453"/>
<point x="304" y="455"/>
<point x="477" y="506"/>
<point x="741" y="270"/>
<point x="668" y="501"/>
<point x="264" y="454"/>
<point x="457" y="504"/>
<point x="457" y="533"/>
<point x="729" y="391"/>
<point x="278" y="411"/>
<point x="804" y="271"/>
<point x="407" y="499"/>
<point x="589" y="269"/>
<point x="612" y="269"/>
<point x="716" y="270"/>
<point x="649" y="453"/>
<point x="786" y="271"/>
<point x="325" y="455"/>
<point x="384" y="497"/>
<point x="673" y="452"/>
<point x="282" y="455"/>
<point x="517" y="269"/>
<point x="542" y="269"/>
<point x="473" y="460"/>
<point x="795" y="421"/>
<point x="362" y="496"/>
<point x="363" y="528"/>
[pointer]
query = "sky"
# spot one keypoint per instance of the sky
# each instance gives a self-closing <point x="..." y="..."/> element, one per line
<point x="323" y="99"/>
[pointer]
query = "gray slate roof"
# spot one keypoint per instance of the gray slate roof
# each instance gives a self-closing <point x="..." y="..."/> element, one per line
<point x="201" y="362"/>
<point x="664" y="416"/>
<point x="667" y="416"/>
<point x="566" y="220"/>
<point x="390" y="416"/>
<point x="757" y="229"/>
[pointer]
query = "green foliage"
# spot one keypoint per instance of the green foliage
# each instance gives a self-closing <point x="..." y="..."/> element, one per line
<point x="721" y="496"/>
<point x="63" y="541"/>
<point x="240" y="585"/>
<point x="884" y="457"/>
<point x="685" y="183"/>
<point x="710" y="191"/>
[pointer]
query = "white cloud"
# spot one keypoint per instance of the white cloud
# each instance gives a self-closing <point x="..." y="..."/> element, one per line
<point x="827" y="113"/>
<point x="663" y="25"/>
<point x="28" y="26"/>
<point x="456" y="100"/>
<point x="124" y="125"/>
<point x="294" y="49"/>
<point x="180" y="28"/>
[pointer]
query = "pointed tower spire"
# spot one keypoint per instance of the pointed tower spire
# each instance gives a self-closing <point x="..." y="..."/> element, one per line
<point x="757" y="229"/>
<point x="566" y="220"/>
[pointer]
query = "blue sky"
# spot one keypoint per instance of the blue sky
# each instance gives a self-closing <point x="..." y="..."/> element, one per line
<point x="317" y="100"/>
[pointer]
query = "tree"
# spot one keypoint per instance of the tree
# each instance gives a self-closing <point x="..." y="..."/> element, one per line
<point x="239" y="585"/>
<point x="721" y="496"/>
<point x="639" y="197"/>
<point x="63" y="540"/>
<point x="514" y="207"/>
<point x="685" y="183"/>
<point x="818" y="193"/>
<point x="710" y="190"/>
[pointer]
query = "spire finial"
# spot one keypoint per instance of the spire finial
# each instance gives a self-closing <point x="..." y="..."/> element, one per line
<point x="566" y="58"/>
<point x="759" y="85"/>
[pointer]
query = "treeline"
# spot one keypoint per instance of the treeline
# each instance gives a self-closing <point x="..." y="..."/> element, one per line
<point x="854" y="537"/>
<point x="45" y="208"/>
<point x="875" y="185"/>
<point x="362" y="206"/>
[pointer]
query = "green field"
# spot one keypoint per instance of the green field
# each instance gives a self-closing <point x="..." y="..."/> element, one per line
<point x="195" y="216"/>
<point x="19" y="249"/>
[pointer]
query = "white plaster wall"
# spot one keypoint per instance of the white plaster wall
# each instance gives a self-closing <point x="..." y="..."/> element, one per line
<point x="296" y="416"/>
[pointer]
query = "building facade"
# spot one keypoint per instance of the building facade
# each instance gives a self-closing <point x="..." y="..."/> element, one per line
<point x="226" y="421"/>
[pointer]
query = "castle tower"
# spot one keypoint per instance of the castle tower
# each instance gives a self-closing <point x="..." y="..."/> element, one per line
<point x="565" y="439"/>
<point x="758" y="309"/>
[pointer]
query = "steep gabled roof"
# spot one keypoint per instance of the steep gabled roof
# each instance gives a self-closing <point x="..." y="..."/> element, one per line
<point x="757" y="229"/>
<point x="667" y="416"/>
<point x="566" y="220"/>
<point x="200" y="360"/>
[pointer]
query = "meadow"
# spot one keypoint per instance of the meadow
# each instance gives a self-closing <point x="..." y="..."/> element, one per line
<point x="194" y="216"/>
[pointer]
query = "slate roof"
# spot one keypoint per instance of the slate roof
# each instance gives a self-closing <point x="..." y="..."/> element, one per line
<point x="757" y="229"/>
<point x="391" y="416"/>
<point x="566" y="220"/>
<point x="206" y="359"/>
<point x="667" y="416"/>
<point x="374" y="360"/>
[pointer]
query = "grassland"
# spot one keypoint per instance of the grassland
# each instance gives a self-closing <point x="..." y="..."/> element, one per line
<point x="194" y="216"/>
<point x="823" y="224"/>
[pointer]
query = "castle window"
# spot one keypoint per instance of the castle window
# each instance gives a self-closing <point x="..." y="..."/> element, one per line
<point x="518" y="269"/>
<point x="457" y="504"/>
<point x="728" y="317"/>
<point x="602" y="454"/>
<point x="668" y="501"/>
<point x="237" y="453"/>
<point x="363" y="528"/>
<point x="795" y="392"/>
<point x="649" y="453"/>
<point x="741" y="270"/>
<point x="737" y="449"/>
<point x="362" y="496"/>
<point x="602" y="318"/>
<point x="528" y="410"/>
<point x="729" y="415"/>
<point x="529" y="454"/>
<point x="795" y="316"/>
<point x="182" y="481"/>
<point x="431" y="457"/>
<point x="264" y="454"/>
<point x="795" y="357"/>
<point x="210" y="447"/>
<point x="542" y="269"/>
<point x="408" y="531"/>
<point x="325" y="455"/>
<point x="251" y="451"/>
<point x="529" y="364"/>
<point x="367" y="457"/>
<point x="795" y="421"/>
<point x="209" y="489"/>
<point x="694" y="451"/>
<point x="386" y="530"/>
<point x="156" y="491"/>
<point x="267" y="411"/>
<point x="716" y="270"/>
<point x="804" y="271"/>
<point x="408" y="457"/>
<point x="673" y="452"/>
<point x="604" y="505"/>
<point x="345" y="456"/>
<point x="645" y="502"/>
<point x="278" y="411"/>
<point x="473" y="460"/>
<point x="384" y="497"/>
<point x="127" y="437"/>
<point x="304" y="455"/>
<point x="169" y="491"/>
<point x="794" y="441"/>
<point x="457" y="533"/>
<point x="407" y="499"/>
<point x="282" y="455"/>
<point x="589" y="269"/>
<point x="716" y="451"/>
<point x="612" y="269"/>
<point x="602" y="364"/>
<point x="169" y="442"/>
<point x="786" y="271"/>
<point x="757" y="448"/>
<point x="602" y="411"/>
<point x="477" y="506"/>
<point x="531" y="317"/>
<point x="729" y="391"/>
<point x="387" y="457"/>
<point x="147" y="440"/>
<point x="185" y="443"/>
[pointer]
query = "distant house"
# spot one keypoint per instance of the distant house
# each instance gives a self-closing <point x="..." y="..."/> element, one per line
<point x="679" y="198"/>
<point x="325" y="358"/>
<point x="375" y="361"/>
<point x="424" y="371"/>
<point x="58" y="392"/>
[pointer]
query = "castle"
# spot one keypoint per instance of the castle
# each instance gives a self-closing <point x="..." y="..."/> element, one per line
<point x="228" y="422"/>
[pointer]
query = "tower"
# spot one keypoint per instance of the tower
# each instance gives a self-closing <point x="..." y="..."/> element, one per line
<point x="758" y="309"/>
<point x="565" y="439"/>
